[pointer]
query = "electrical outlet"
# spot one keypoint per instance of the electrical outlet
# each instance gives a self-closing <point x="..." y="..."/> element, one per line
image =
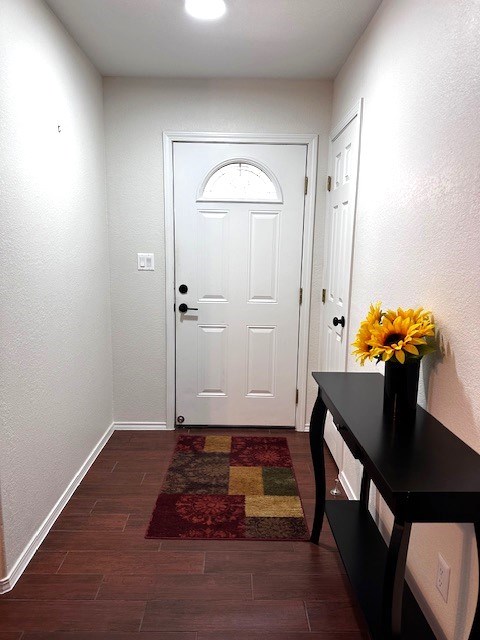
<point x="443" y="577"/>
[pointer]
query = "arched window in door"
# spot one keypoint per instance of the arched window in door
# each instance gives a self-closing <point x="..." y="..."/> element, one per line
<point x="240" y="181"/>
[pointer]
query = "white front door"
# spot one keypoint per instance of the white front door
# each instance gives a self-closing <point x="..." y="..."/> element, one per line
<point x="239" y="211"/>
<point x="339" y="250"/>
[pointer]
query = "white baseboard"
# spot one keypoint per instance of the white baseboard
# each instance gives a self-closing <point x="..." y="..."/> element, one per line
<point x="141" y="426"/>
<point x="6" y="584"/>
<point x="347" y="487"/>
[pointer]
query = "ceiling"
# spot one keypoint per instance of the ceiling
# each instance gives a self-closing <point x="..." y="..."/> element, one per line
<point x="256" y="38"/>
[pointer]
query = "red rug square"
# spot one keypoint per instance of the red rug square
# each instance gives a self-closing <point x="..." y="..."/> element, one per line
<point x="190" y="444"/>
<point x="254" y="451"/>
<point x="198" y="516"/>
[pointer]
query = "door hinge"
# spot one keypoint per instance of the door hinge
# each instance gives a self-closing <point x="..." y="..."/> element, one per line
<point x="300" y="297"/>
<point x="306" y="185"/>
<point x="329" y="183"/>
<point x="324" y="295"/>
<point x="296" y="397"/>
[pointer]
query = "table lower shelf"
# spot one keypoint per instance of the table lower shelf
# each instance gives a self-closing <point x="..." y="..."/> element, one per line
<point x="364" y="554"/>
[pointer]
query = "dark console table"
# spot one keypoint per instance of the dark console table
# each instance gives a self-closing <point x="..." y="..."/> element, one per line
<point x="424" y="473"/>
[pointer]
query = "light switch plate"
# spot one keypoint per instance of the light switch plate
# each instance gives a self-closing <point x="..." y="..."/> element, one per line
<point x="145" y="261"/>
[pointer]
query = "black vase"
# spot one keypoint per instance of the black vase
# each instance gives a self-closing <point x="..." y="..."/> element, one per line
<point x="401" y="390"/>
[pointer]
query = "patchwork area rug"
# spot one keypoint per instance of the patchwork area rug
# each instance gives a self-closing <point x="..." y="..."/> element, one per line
<point x="226" y="487"/>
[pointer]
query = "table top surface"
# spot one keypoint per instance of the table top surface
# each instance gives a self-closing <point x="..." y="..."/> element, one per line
<point x="424" y="456"/>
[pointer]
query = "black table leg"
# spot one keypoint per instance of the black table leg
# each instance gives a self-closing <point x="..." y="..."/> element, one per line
<point x="317" y="429"/>
<point x="475" y="632"/>
<point x="365" y="489"/>
<point x="394" y="580"/>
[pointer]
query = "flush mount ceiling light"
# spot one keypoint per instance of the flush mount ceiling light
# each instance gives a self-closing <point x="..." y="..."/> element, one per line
<point x="205" y="9"/>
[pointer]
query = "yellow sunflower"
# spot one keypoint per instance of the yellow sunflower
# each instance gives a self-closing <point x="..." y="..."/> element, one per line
<point x="399" y="335"/>
<point x="363" y="348"/>
<point x="393" y="333"/>
<point x="426" y="326"/>
<point x="416" y="315"/>
<point x="374" y="314"/>
<point x="362" y="343"/>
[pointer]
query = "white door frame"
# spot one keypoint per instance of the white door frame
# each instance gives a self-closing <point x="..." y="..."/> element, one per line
<point x="356" y="111"/>
<point x="311" y="142"/>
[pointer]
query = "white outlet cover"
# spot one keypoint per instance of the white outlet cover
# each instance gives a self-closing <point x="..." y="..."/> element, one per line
<point x="145" y="261"/>
<point x="443" y="577"/>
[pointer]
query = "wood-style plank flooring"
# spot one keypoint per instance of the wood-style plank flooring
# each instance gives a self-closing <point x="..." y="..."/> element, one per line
<point x="95" y="577"/>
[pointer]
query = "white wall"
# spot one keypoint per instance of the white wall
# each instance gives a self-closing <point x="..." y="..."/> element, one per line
<point x="137" y="111"/>
<point x="418" y="229"/>
<point x="56" y="389"/>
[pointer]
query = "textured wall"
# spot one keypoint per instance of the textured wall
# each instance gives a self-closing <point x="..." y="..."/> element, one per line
<point x="137" y="111"/>
<point x="418" y="228"/>
<point x="55" y="367"/>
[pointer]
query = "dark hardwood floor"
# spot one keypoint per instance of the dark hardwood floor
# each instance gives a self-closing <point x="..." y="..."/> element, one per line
<point x="95" y="577"/>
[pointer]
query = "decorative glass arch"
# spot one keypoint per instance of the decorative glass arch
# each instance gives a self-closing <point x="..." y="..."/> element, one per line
<point x="240" y="181"/>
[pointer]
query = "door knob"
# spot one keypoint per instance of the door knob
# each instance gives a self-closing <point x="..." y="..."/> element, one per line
<point x="183" y="308"/>
<point x="339" y="321"/>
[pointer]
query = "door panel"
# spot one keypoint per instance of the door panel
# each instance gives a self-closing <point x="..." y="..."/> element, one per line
<point x="261" y="367"/>
<point x="212" y="360"/>
<point x="212" y="256"/>
<point x="263" y="256"/>
<point x="236" y="347"/>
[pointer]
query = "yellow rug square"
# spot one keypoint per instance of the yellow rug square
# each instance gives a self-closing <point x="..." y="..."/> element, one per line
<point x="218" y="444"/>
<point x="245" y="481"/>
<point x="273" y="507"/>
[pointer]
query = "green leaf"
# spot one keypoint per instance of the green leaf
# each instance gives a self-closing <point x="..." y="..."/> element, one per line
<point x="425" y="349"/>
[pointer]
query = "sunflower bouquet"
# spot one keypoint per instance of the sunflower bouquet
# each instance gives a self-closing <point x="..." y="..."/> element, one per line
<point x="404" y="334"/>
